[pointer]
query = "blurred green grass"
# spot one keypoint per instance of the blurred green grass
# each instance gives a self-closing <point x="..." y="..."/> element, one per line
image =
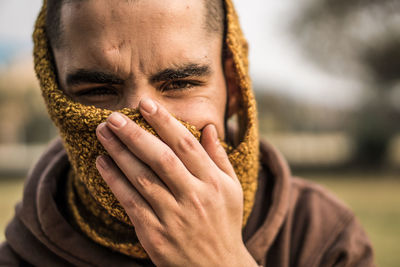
<point x="10" y="194"/>
<point x="374" y="198"/>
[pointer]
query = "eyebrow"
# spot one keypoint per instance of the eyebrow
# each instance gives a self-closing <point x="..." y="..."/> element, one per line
<point x="83" y="76"/>
<point x="180" y="72"/>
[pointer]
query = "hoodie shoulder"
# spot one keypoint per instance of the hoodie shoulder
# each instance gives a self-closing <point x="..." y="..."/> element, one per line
<point x="7" y="256"/>
<point x="324" y="230"/>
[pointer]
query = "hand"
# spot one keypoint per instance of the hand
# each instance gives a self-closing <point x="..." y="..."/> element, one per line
<point x="183" y="197"/>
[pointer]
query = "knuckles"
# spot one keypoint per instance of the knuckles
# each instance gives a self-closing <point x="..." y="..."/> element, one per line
<point x="201" y="204"/>
<point x="187" y="143"/>
<point x="131" y="201"/>
<point x="167" y="161"/>
<point x="215" y="183"/>
<point x="134" y="133"/>
<point x="144" y="180"/>
<point x="148" y="183"/>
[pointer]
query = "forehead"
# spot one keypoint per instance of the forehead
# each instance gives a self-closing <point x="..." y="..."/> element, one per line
<point x="144" y="29"/>
<point x="109" y="12"/>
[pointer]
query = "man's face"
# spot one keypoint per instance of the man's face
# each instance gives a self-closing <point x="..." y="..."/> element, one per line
<point x="114" y="53"/>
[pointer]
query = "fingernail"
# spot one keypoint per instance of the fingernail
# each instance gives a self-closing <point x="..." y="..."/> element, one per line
<point x="117" y="120"/>
<point x="148" y="105"/>
<point x="105" y="132"/>
<point x="101" y="161"/>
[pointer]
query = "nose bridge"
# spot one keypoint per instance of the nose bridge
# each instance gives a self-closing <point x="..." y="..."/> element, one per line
<point x="138" y="86"/>
<point x="136" y="92"/>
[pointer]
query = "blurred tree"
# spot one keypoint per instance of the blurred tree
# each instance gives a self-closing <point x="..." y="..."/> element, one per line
<point x="361" y="39"/>
<point x="279" y="113"/>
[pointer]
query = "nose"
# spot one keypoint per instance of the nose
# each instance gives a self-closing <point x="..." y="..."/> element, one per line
<point x="132" y="96"/>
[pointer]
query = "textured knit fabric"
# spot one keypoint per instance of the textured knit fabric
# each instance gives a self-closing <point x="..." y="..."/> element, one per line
<point x="294" y="223"/>
<point x="77" y="124"/>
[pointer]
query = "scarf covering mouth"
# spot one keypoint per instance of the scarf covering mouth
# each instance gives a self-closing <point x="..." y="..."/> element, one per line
<point x="93" y="207"/>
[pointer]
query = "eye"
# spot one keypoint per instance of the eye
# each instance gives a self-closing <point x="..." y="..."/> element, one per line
<point x="179" y="85"/>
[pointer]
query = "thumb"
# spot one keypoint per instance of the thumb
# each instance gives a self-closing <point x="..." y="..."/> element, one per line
<point x="214" y="149"/>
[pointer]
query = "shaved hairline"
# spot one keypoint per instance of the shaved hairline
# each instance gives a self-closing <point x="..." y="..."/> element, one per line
<point x="214" y="18"/>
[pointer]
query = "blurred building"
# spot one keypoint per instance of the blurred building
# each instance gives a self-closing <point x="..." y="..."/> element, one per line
<point x="325" y="74"/>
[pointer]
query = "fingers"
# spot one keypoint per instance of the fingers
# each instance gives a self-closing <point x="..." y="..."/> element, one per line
<point x="210" y="142"/>
<point x="127" y="139"/>
<point x="177" y="159"/>
<point x="134" y="204"/>
<point x="177" y="137"/>
<point x="140" y="176"/>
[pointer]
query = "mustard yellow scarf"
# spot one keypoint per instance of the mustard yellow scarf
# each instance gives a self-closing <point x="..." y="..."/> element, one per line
<point x="94" y="208"/>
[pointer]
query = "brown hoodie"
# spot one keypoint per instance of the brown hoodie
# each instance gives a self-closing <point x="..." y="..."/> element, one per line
<point x="293" y="223"/>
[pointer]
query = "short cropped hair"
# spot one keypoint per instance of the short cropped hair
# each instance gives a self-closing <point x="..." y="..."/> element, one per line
<point x="214" y="19"/>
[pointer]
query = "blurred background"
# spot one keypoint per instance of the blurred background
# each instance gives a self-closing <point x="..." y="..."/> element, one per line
<point x="327" y="79"/>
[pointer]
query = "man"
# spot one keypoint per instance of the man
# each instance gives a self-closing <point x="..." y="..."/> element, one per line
<point x="135" y="186"/>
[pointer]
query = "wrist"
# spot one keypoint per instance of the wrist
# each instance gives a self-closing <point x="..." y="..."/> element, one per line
<point x="245" y="259"/>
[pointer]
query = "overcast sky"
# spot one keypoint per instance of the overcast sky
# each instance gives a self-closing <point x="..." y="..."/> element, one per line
<point x="276" y="62"/>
